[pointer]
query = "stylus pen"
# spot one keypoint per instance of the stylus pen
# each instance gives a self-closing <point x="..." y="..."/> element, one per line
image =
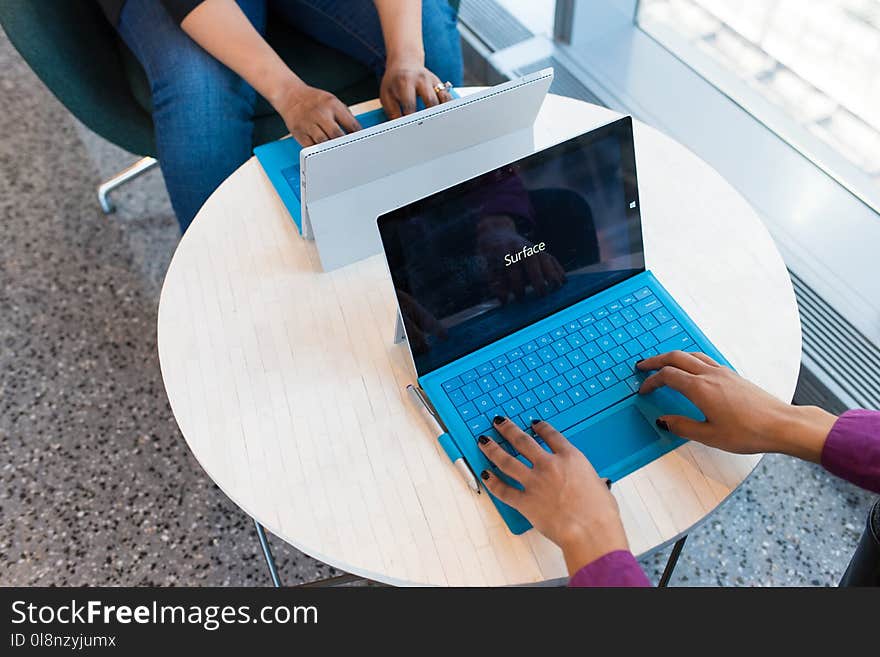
<point x="446" y="441"/>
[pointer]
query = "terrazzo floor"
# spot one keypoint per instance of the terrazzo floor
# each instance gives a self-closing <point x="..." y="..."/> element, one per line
<point x="97" y="485"/>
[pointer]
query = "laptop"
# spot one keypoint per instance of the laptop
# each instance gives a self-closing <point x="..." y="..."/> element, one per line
<point x="524" y="293"/>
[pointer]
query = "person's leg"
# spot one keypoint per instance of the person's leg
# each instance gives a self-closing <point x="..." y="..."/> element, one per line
<point x="352" y="26"/>
<point x="202" y="111"/>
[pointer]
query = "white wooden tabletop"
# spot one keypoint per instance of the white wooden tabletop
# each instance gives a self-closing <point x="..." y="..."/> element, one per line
<point x="290" y="394"/>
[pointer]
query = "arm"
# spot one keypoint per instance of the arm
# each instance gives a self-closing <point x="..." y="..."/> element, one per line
<point x="742" y="418"/>
<point x="405" y="74"/>
<point x="222" y="29"/>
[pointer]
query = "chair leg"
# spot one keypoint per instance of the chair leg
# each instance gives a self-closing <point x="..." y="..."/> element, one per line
<point x="141" y="166"/>
<point x="670" y="563"/>
<point x="267" y="553"/>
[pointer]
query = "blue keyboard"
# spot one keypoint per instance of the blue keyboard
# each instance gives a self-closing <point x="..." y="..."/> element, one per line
<point x="572" y="372"/>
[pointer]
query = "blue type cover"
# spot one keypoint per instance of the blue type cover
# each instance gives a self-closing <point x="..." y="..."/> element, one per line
<point x="619" y="435"/>
<point x="280" y="161"/>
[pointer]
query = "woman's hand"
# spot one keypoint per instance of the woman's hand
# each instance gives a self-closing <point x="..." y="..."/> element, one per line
<point x="403" y="82"/>
<point x="313" y="115"/>
<point x="562" y="495"/>
<point x="740" y="417"/>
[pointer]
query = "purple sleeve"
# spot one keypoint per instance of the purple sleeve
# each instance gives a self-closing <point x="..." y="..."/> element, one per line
<point x="852" y="449"/>
<point x="618" y="568"/>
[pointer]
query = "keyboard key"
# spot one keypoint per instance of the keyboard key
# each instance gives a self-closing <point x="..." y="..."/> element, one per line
<point x="599" y="314"/>
<point x="484" y="404"/>
<point x="559" y="384"/>
<point x="467" y="411"/>
<point x="620" y="336"/>
<point x="589" y="369"/>
<point x="590" y="333"/>
<point x="662" y="315"/>
<point x="528" y="399"/>
<point x="647" y="340"/>
<point x="561" y="347"/>
<point x="576" y="357"/>
<point x="574" y="377"/>
<point x="628" y="299"/>
<point x="544" y="340"/>
<point x="586" y="319"/>
<point x="471" y="390"/>
<point x="606" y="344"/>
<point x="648" y="305"/>
<point x="622" y="370"/>
<point x="650" y="351"/>
<point x="607" y="379"/>
<point x="642" y="294"/>
<point x="667" y="330"/>
<point x="562" y="402"/>
<point x="526" y="418"/>
<point x="592" y="386"/>
<point x="604" y="326"/>
<point x="516" y="388"/>
<point x="680" y="341"/>
<point x="484" y="369"/>
<point x="578" y="394"/>
<point x="470" y="375"/>
<point x="575" y="340"/>
<point x="573" y="327"/>
<point x="633" y="383"/>
<point x="532" y="361"/>
<point x="619" y="354"/>
<point x="499" y="396"/>
<point x="629" y="314"/>
<point x="457" y="397"/>
<point x="529" y="347"/>
<point x="544" y="392"/>
<point x="517" y="368"/>
<point x="591" y="350"/>
<point x="649" y="322"/>
<point x="514" y="355"/>
<point x="546" y="410"/>
<point x="531" y="380"/>
<point x="502" y="376"/>
<point x="614" y="306"/>
<point x="498" y="362"/>
<point x="512" y="408"/>
<point x="453" y="384"/>
<point x="616" y="320"/>
<point x="546" y="372"/>
<point x="604" y="362"/>
<point x="487" y="383"/>
<point x="561" y="365"/>
<point x="546" y="354"/>
<point x="633" y="347"/>
<point x="478" y="424"/>
<point x="634" y="329"/>
<point x="558" y="333"/>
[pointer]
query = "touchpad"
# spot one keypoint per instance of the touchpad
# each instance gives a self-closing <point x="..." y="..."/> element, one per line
<point x="622" y="441"/>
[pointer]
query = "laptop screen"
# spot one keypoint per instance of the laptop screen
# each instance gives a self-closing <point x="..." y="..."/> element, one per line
<point x="492" y="255"/>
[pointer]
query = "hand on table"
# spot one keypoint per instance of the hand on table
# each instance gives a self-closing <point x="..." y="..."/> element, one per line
<point x="403" y="82"/>
<point x="740" y="416"/>
<point x="562" y="495"/>
<point x="313" y="115"/>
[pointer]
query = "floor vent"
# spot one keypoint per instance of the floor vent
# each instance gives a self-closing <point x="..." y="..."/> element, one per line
<point x="493" y="24"/>
<point x="839" y="361"/>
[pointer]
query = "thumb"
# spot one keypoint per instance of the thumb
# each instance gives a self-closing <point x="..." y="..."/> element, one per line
<point x="684" y="426"/>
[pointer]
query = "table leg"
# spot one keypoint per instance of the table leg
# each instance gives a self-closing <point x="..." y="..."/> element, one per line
<point x="670" y="563"/>
<point x="267" y="553"/>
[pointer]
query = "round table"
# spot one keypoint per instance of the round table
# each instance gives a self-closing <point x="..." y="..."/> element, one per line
<point x="290" y="392"/>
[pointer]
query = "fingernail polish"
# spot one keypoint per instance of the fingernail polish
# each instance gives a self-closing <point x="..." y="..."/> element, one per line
<point x="608" y="483"/>
<point x="536" y="420"/>
<point x="639" y="362"/>
<point x="483" y="440"/>
<point x="498" y="419"/>
<point x="662" y="424"/>
<point x="484" y="475"/>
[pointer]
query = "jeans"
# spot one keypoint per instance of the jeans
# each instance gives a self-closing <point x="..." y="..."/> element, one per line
<point x="203" y="111"/>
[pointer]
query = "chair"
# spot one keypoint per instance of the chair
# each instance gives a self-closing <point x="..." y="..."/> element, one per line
<point x="75" y="51"/>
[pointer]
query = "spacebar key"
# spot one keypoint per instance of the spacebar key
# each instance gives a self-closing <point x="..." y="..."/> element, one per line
<point x="598" y="402"/>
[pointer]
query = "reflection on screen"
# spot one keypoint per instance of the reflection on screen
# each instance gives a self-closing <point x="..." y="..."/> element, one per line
<point x="490" y="256"/>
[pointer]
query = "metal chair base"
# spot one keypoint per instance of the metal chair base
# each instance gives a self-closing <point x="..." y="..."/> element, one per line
<point x="140" y="167"/>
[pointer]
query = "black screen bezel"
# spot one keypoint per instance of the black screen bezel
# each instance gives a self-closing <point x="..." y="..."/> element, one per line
<point x="622" y="127"/>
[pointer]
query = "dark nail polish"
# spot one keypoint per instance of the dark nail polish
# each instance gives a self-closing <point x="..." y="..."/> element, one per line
<point x="608" y="483"/>
<point x="639" y="362"/>
<point x="662" y="424"/>
<point x="483" y="440"/>
<point x="485" y="475"/>
<point x="498" y="419"/>
<point x="536" y="420"/>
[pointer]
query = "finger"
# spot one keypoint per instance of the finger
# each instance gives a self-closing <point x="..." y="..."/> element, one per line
<point x="550" y="272"/>
<point x="504" y="492"/>
<point x="508" y="464"/>
<point x="406" y="96"/>
<point x="686" y="427"/>
<point x="679" y="359"/>
<point x="427" y="93"/>
<point x="390" y="104"/>
<point x="521" y="441"/>
<point x="706" y="359"/>
<point x="302" y="138"/>
<point x="536" y="276"/>
<point x="559" y="270"/>
<point x="498" y="285"/>
<point x="670" y="376"/>
<point x="330" y="127"/>
<point x="346" y="119"/>
<point x="555" y="440"/>
<point x="317" y="133"/>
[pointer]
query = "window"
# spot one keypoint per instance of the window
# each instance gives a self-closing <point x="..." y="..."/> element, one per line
<point x="815" y="63"/>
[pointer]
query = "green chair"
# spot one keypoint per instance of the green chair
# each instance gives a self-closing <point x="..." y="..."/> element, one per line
<point x="75" y="51"/>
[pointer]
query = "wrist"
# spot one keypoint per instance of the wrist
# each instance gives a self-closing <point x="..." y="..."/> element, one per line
<point x="283" y="89"/>
<point x="405" y="57"/>
<point x="582" y="545"/>
<point x="800" y="431"/>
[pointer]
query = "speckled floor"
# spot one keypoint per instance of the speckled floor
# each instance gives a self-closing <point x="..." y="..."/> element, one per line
<point x="96" y="484"/>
